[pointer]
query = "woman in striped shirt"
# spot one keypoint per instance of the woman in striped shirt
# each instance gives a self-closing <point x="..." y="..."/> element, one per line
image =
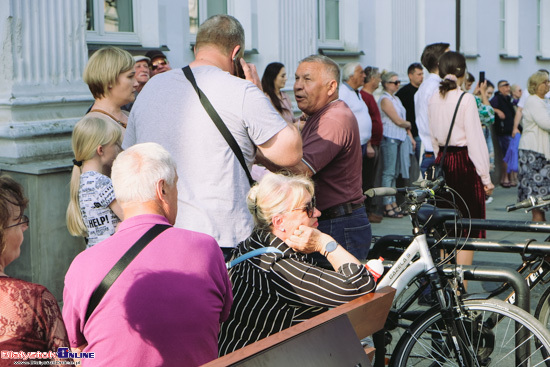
<point x="277" y="290"/>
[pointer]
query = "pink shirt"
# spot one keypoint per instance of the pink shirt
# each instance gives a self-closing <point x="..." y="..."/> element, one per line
<point x="164" y="309"/>
<point x="466" y="131"/>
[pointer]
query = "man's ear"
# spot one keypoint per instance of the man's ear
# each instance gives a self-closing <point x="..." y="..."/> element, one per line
<point x="235" y="52"/>
<point x="160" y="190"/>
<point x="332" y="87"/>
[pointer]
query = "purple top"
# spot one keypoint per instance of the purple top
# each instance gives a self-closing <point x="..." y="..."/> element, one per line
<point x="164" y="309"/>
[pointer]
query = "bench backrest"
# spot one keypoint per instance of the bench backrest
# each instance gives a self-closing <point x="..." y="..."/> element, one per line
<point x="324" y="340"/>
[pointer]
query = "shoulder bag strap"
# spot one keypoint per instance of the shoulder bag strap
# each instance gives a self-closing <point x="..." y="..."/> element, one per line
<point x="219" y="123"/>
<point x="122" y="264"/>
<point x="450" y="130"/>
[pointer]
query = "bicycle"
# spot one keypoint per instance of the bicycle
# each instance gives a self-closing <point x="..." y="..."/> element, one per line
<point x="457" y="330"/>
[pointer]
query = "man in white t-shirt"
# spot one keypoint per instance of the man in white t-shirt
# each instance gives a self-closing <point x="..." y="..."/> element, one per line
<point x="213" y="186"/>
<point x="430" y="60"/>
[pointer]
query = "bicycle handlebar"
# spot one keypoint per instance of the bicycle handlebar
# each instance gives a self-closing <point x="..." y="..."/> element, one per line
<point x="427" y="189"/>
<point x="531" y="202"/>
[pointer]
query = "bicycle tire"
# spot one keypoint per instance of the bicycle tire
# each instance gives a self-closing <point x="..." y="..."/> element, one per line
<point x="493" y="343"/>
<point x="542" y="312"/>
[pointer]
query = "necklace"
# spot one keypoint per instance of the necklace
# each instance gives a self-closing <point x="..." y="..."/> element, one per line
<point x="111" y="116"/>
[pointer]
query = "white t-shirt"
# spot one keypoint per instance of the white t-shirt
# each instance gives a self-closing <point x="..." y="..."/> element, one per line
<point x="212" y="185"/>
<point x="95" y="195"/>
<point x="359" y="109"/>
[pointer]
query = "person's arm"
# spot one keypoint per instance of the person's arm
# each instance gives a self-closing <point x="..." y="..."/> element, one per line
<point x="115" y="207"/>
<point x="52" y="320"/>
<point x="499" y="113"/>
<point x="250" y="73"/>
<point x="301" y="283"/>
<point x="284" y="149"/>
<point x="517" y="120"/>
<point x="387" y="106"/>
<point x="538" y="112"/>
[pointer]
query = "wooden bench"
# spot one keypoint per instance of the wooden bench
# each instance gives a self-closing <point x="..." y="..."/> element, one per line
<point x="330" y="339"/>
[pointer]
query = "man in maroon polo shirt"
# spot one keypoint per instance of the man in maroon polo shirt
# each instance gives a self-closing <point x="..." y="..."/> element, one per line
<point x="332" y="155"/>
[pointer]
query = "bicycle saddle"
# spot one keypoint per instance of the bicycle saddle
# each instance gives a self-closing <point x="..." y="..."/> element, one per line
<point x="432" y="217"/>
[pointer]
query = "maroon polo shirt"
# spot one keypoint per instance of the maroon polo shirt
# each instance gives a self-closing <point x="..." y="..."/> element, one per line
<point x="332" y="150"/>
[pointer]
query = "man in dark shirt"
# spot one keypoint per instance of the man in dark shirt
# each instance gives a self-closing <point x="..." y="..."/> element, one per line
<point x="504" y="124"/>
<point x="406" y="95"/>
<point x="372" y="165"/>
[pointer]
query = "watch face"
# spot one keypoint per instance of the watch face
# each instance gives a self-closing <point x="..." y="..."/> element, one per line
<point x="331" y="246"/>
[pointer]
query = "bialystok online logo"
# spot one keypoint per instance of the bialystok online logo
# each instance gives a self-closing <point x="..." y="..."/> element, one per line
<point x="62" y="353"/>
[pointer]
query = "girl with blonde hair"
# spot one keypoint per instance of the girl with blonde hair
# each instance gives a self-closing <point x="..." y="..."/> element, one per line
<point x="93" y="211"/>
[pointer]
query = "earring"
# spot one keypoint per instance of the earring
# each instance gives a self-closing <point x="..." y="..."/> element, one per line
<point x="282" y="230"/>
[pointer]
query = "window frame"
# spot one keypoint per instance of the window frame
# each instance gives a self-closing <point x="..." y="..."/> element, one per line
<point x="543" y="31"/>
<point x="99" y="35"/>
<point x="203" y="15"/>
<point x="509" y="29"/>
<point x="322" y="41"/>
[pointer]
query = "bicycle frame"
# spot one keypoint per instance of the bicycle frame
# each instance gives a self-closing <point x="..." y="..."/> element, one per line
<point x="404" y="269"/>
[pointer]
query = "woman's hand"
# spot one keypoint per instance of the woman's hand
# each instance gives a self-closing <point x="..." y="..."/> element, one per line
<point x="370" y="150"/>
<point x="308" y="240"/>
<point x="489" y="189"/>
<point x="413" y="142"/>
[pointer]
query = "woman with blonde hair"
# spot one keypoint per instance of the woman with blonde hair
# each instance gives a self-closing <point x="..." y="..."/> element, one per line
<point x="282" y="284"/>
<point x="110" y="76"/>
<point x="93" y="211"/>
<point x="534" y="144"/>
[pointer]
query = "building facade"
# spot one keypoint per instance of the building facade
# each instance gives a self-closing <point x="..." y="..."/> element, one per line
<point x="46" y="44"/>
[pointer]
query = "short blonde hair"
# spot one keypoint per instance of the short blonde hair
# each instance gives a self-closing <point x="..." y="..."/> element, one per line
<point x="535" y="80"/>
<point x="275" y="194"/>
<point x="104" y="67"/>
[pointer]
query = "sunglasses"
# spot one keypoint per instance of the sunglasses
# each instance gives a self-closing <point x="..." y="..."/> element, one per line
<point x="24" y="220"/>
<point x="309" y="208"/>
<point x="397" y="82"/>
<point x="160" y="63"/>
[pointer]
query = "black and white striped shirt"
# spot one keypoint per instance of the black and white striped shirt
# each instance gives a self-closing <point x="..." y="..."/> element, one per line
<point x="272" y="292"/>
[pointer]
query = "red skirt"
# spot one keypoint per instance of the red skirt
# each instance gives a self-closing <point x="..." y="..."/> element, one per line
<point x="461" y="175"/>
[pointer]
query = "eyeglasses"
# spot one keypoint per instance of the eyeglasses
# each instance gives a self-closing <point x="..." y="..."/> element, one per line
<point x="397" y="82"/>
<point x="309" y="208"/>
<point x="24" y="220"/>
<point x="155" y="66"/>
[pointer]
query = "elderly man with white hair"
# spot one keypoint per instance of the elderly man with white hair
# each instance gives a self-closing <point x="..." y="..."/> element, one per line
<point x="166" y="306"/>
<point x="353" y="77"/>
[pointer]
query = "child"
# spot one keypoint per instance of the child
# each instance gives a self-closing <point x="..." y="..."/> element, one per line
<point x="93" y="211"/>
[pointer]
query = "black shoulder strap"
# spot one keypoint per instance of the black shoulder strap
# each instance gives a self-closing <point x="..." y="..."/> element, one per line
<point x="451" y="130"/>
<point x="219" y="123"/>
<point x="122" y="264"/>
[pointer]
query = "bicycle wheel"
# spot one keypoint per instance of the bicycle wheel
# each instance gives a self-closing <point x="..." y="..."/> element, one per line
<point x="542" y="312"/>
<point x="490" y="328"/>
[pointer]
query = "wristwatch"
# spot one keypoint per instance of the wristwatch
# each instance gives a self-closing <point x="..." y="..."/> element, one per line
<point x="331" y="246"/>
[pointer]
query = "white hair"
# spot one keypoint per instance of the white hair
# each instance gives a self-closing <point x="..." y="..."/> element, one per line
<point x="348" y="70"/>
<point x="137" y="170"/>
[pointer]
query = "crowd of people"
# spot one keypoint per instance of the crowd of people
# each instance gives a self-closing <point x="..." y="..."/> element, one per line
<point x="164" y="197"/>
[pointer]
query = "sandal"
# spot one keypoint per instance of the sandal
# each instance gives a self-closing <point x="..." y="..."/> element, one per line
<point x="399" y="210"/>
<point x="392" y="214"/>
<point x="506" y="185"/>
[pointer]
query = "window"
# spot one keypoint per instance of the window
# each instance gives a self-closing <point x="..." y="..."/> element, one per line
<point x="543" y="29"/>
<point x="200" y="10"/>
<point x="329" y="31"/>
<point x="111" y="21"/>
<point x="509" y="29"/>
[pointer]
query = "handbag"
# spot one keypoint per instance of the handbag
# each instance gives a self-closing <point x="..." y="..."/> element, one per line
<point x="219" y="123"/>
<point x="435" y="170"/>
<point x="119" y="267"/>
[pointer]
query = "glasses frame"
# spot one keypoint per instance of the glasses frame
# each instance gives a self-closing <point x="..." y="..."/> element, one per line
<point x="309" y="208"/>
<point x="23" y="220"/>
<point x="160" y="63"/>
